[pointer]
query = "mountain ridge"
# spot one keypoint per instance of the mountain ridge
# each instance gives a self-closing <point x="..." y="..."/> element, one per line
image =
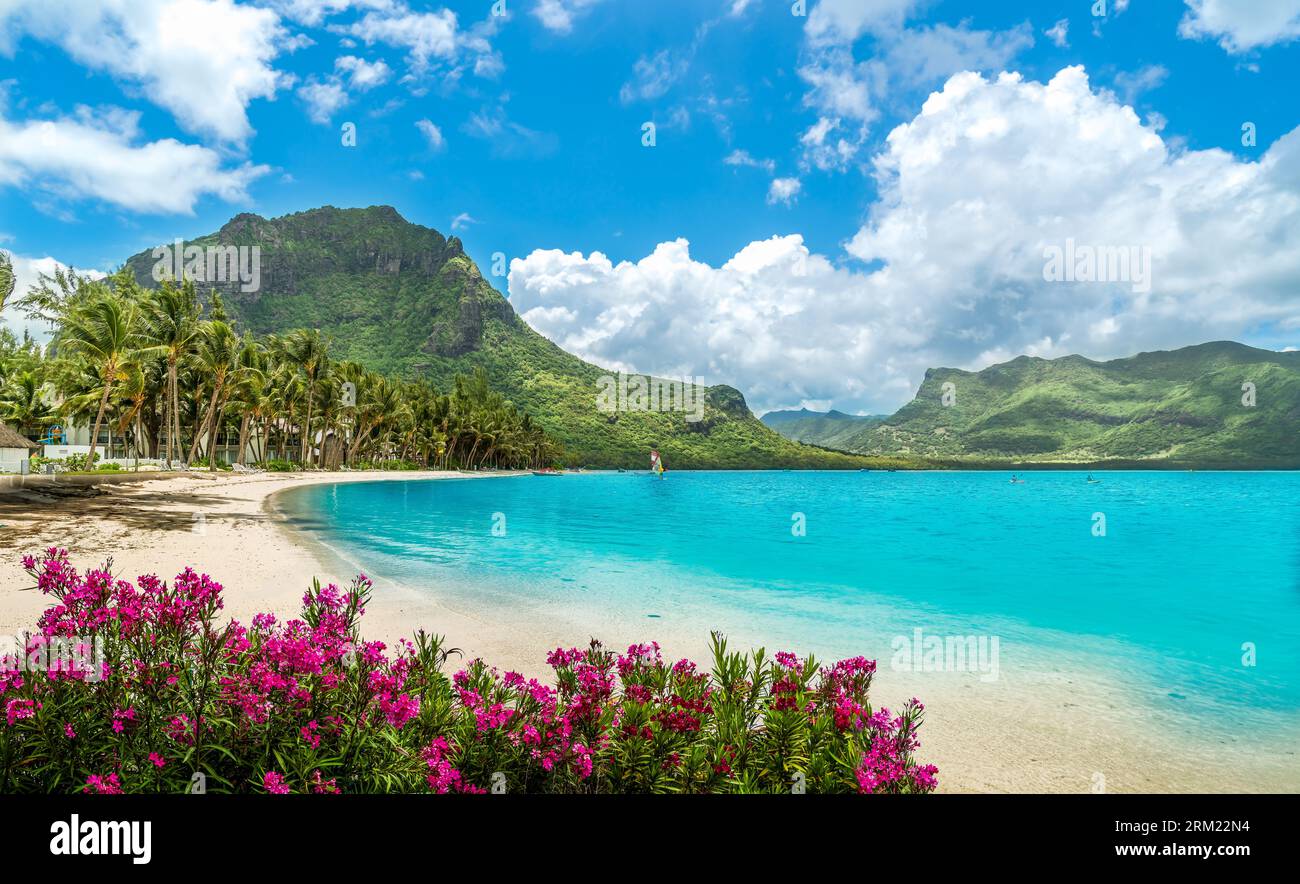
<point x="405" y="300"/>
<point x="1182" y="406"/>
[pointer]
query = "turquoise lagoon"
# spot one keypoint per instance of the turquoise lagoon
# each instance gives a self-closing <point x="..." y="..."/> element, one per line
<point x="1194" y="571"/>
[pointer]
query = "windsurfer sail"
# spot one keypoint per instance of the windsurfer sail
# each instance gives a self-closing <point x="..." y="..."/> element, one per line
<point x="656" y="463"/>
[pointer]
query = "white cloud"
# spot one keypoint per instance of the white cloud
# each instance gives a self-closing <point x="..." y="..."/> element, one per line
<point x="923" y="56"/>
<point x="507" y="138"/>
<point x="463" y="221"/>
<point x="425" y="35"/>
<point x="1242" y="25"/>
<point x="738" y="7"/>
<point x="843" y="21"/>
<point x="363" y="75"/>
<point x="1059" y="33"/>
<point x="847" y="93"/>
<point x="743" y="158"/>
<point x="558" y="15"/>
<point x="99" y="154"/>
<point x="202" y="60"/>
<point x="323" y="97"/>
<point x="783" y="190"/>
<point x="654" y="75"/>
<point x="313" y="12"/>
<point x="27" y="272"/>
<point x="973" y="188"/>
<point x="1132" y="84"/>
<point x="431" y="133"/>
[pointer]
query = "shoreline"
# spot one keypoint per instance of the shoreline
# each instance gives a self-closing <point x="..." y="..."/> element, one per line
<point x="1039" y="731"/>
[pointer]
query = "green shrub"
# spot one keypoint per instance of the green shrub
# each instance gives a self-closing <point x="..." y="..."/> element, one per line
<point x="142" y="688"/>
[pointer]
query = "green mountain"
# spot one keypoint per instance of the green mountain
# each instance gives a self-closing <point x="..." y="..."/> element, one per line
<point x="1177" y="408"/>
<point x="402" y="299"/>
<point x="826" y="429"/>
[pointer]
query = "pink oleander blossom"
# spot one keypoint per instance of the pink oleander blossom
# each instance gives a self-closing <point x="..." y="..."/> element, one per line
<point x="274" y="783"/>
<point x="307" y="693"/>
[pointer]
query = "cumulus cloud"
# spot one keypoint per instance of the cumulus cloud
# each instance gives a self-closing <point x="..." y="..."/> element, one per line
<point x="432" y="39"/>
<point x="425" y="35"/>
<point x="1242" y="25"/>
<point x="204" y="61"/>
<point x="99" y="154"/>
<point x="783" y="190"/>
<point x="559" y="15"/>
<point x="974" y="188"/>
<point x="323" y="98"/>
<point x="844" y="21"/>
<point x="363" y="75"/>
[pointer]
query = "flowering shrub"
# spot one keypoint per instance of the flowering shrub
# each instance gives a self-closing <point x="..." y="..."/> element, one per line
<point x="154" y="691"/>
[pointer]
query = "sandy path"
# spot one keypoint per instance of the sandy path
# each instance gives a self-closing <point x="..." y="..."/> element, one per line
<point x="1057" y="731"/>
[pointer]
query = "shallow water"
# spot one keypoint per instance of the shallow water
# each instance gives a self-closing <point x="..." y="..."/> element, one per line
<point x="1193" y="573"/>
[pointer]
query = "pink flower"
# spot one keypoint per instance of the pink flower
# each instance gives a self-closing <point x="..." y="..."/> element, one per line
<point x="274" y="783"/>
<point x="321" y="786"/>
<point x="19" y="710"/>
<point x="158" y="761"/>
<point x="97" y="785"/>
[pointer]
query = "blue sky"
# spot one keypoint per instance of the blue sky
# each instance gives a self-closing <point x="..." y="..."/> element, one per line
<point x="148" y="120"/>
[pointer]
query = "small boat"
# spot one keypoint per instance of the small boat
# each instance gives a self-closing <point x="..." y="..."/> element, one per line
<point x="548" y="472"/>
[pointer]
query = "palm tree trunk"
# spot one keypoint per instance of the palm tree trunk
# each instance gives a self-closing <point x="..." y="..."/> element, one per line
<point x="174" y="430"/>
<point x="99" y="419"/>
<point x="306" y="433"/>
<point x="212" y="409"/>
<point x="243" y="439"/>
<point x="215" y="414"/>
<point x="168" y="406"/>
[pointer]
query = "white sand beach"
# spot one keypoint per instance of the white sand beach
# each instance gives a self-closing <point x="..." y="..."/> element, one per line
<point x="1050" y="731"/>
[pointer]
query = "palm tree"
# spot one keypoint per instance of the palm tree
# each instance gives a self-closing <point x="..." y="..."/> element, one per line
<point x="22" y="402"/>
<point x="249" y="390"/>
<point x="105" y="334"/>
<point x="173" y="324"/>
<point x="310" y="352"/>
<point x="218" y="348"/>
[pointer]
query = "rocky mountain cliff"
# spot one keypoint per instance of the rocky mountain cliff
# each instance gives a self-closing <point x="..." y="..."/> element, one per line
<point x="403" y="299"/>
